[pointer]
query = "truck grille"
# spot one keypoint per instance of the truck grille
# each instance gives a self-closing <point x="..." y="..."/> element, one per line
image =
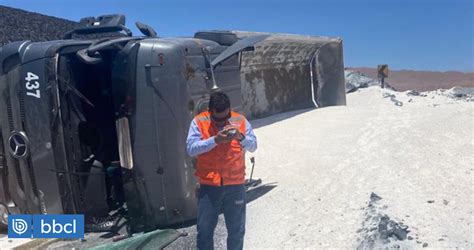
<point x="9" y="111"/>
<point x="2" y="154"/>
<point x="25" y="128"/>
<point x="16" y="164"/>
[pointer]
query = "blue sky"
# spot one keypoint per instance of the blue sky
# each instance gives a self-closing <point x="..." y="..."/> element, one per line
<point x="435" y="35"/>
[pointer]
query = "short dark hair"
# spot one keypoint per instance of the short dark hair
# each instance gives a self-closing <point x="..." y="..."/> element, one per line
<point x="219" y="102"/>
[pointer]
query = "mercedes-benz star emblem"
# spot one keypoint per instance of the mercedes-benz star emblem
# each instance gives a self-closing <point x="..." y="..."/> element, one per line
<point x="18" y="144"/>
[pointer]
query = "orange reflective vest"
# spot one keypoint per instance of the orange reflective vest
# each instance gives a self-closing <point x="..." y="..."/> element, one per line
<point x="225" y="163"/>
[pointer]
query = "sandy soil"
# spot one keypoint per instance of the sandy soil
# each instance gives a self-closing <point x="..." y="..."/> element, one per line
<point x="417" y="156"/>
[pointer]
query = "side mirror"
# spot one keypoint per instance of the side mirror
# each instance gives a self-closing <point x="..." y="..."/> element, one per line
<point x="146" y="29"/>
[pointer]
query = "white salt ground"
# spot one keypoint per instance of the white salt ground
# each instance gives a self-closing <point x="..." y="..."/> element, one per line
<point x="419" y="158"/>
<point x="325" y="163"/>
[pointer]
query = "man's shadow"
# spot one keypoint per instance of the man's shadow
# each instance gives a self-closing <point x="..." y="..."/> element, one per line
<point x="251" y="195"/>
<point x="189" y="227"/>
<point x="260" y="191"/>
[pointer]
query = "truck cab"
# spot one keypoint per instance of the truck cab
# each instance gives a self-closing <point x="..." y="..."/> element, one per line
<point x="90" y="125"/>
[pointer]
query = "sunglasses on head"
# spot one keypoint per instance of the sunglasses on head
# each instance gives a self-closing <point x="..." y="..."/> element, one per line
<point x="223" y="119"/>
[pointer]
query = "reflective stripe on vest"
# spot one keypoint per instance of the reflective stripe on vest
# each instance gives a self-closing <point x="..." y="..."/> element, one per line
<point x="225" y="163"/>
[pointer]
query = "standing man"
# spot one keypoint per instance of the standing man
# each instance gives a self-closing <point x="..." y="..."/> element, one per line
<point x="218" y="138"/>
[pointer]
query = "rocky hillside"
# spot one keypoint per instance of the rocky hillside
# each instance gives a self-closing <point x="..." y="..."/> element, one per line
<point x="16" y="25"/>
<point x="422" y="80"/>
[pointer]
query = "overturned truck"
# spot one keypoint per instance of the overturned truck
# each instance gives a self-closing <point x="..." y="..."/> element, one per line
<point x="92" y="125"/>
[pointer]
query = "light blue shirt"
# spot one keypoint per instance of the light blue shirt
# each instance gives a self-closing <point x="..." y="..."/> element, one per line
<point x="195" y="145"/>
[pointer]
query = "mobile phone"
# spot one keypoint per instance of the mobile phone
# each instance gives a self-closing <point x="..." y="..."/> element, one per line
<point x="231" y="132"/>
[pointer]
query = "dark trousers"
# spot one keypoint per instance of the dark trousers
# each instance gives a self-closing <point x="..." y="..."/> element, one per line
<point x="231" y="201"/>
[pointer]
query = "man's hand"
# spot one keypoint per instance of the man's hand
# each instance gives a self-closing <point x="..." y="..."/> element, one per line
<point x="237" y="135"/>
<point x="222" y="137"/>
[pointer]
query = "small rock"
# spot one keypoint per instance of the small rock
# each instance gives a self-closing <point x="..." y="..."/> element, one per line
<point x="374" y="197"/>
<point x="410" y="238"/>
<point x="441" y="239"/>
<point x="445" y="202"/>
<point x="425" y="244"/>
<point x="396" y="102"/>
<point x="430" y="201"/>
